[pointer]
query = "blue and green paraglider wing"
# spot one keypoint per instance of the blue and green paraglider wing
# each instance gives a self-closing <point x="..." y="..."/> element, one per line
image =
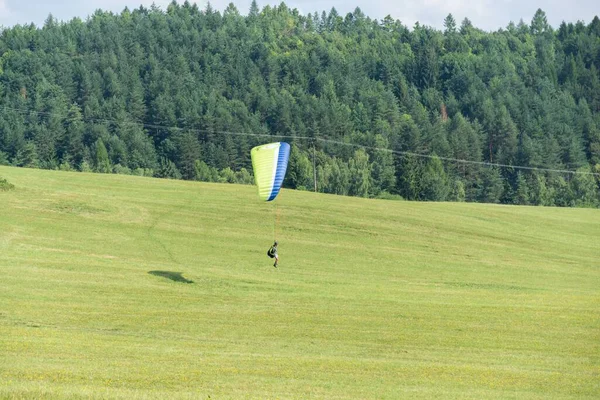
<point x="269" y="163"/>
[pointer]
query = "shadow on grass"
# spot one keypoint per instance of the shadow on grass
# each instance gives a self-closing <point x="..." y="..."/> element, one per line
<point x="174" y="276"/>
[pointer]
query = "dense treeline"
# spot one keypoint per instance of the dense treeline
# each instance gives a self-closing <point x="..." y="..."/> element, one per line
<point x="168" y="94"/>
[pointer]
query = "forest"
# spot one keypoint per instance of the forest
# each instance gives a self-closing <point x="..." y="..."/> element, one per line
<point x="372" y="108"/>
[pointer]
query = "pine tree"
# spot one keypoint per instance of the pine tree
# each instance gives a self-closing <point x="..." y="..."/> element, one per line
<point x="383" y="173"/>
<point x="167" y="169"/>
<point x="491" y="186"/>
<point x="203" y="172"/>
<point x="299" y="173"/>
<point x="72" y="142"/>
<point x="457" y="191"/>
<point x="184" y="91"/>
<point x="434" y="181"/>
<point x="539" y="23"/>
<point x="522" y="192"/>
<point x="585" y="190"/>
<point x="188" y="152"/>
<point x="360" y="172"/>
<point x="102" y="163"/>
<point x="450" y="24"/>
<point x="254" y="10"/>
<point x="27" y="156"/>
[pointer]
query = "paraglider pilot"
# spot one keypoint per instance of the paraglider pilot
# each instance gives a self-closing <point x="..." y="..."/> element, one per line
<point x="273" y="253"/>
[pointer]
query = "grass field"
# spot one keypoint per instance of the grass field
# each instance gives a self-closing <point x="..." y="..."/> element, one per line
<point x="373" y="299"/>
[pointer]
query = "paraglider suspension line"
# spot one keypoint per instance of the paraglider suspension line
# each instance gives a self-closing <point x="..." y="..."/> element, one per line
<point x="276" y="222"/>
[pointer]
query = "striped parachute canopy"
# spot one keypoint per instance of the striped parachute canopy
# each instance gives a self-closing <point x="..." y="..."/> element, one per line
<point x="269" y="163"/>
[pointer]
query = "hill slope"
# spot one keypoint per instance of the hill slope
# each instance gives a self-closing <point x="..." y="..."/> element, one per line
<point x="373" y="299"/>
<point x="187" y="92"/>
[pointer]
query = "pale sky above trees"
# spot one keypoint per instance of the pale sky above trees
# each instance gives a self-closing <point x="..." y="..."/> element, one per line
<point x="484" y="14"/>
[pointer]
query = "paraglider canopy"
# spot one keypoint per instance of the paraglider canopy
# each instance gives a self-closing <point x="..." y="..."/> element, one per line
<point x="269" y="163"/>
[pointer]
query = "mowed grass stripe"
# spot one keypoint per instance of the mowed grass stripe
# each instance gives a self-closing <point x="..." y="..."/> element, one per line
<point x="373" y="298"/>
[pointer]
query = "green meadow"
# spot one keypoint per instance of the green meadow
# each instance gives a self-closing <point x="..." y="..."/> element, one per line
<point x="121" y="287"/>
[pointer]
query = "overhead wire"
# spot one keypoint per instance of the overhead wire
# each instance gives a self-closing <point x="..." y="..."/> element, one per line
<point x="318" y="139"/>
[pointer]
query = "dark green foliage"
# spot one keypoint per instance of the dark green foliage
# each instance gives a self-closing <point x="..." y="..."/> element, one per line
<point x="450" y="24"/>
<point x="167" y="94"/>
<point x="491" y="186"/>
<point x="5" y="185"/>
<point x="521" y="195"/>
<point x="299" y="174"/>
<point x="434" y="182"/>
<point x="203" y="172"/>
<point x="27" y="156"/>
<point x="338" y="177"/>
<point x="585" y="189"/>
<point x="382" y="168"/>
<point x="457" y="191"/>
<point x="167" y="169"/>
<point x="359" y="169"/>
<point x="102" y="162"/>
<point x="3" y="158"/>
<point x="188" y="152"/>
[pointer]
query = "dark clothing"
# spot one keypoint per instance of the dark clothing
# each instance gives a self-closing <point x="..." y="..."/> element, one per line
<point x="272" y="252"/>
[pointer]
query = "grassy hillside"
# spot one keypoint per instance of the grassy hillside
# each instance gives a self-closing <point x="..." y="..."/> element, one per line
<point x="373" y="299"/>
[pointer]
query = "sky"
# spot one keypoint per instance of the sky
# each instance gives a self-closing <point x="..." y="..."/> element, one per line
<point x="489" y="15"/>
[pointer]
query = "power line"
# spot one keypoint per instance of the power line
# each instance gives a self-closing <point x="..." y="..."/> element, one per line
<point x="484" y="163"/>
<point x="319" y="139"/>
